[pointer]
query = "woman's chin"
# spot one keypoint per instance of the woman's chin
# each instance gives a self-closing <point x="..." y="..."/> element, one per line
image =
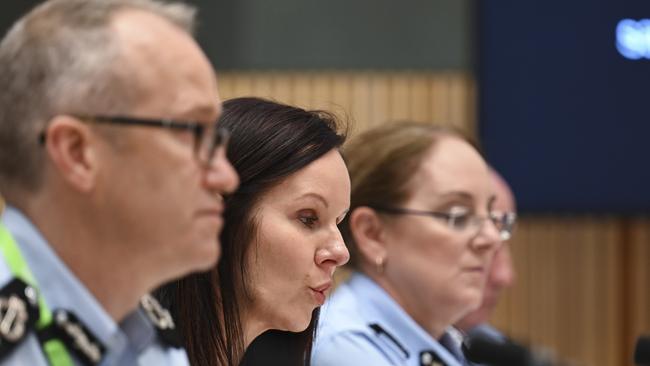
<point x="297" y="325"/>
<point x="470" y="301"/>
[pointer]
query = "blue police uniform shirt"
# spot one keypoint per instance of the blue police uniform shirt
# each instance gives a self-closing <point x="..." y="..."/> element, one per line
<point x="134" y="341"/>
<point x="347" y="334"/>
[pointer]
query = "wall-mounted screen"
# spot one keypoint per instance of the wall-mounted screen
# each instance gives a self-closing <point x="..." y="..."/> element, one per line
<point x="564" y="106"/>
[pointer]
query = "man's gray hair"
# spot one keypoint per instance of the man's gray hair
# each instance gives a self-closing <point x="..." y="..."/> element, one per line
<point x="61" y="58"/>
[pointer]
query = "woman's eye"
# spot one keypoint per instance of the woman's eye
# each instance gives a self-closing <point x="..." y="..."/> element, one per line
<point x="308" y="220"/>
<point x="459" y="217"/>
<point x="459" y="221"/>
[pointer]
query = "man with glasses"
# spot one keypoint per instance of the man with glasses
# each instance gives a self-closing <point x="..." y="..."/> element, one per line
<point x="113" y="170"/>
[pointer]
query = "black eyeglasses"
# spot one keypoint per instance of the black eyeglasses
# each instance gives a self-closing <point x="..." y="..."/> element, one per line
<point x="207" y="138"/>
<point x="463" y="222"/>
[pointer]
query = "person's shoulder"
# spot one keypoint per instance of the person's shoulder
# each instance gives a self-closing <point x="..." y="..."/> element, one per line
<point x="160" y="355"/>
<point x="18" y="343"/>
<point x="27" y="353"/>
<point x="165" y="348"/>
<point x="341" y="313"/>
<point x="26" y="350"/>
<point x="344" y="336"/>
<point x="349" y="347"/>
<point x="5" y="273"/>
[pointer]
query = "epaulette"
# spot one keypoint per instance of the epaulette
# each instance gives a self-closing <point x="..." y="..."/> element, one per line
<point x="161" y="320"/>
<point x="19" y="314"/>
<point x="380" y="331"/>
<point x="76" y="337"/>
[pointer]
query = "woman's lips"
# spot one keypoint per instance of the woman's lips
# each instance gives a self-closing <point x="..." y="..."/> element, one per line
<point x="318" y="296"/>
<point x="320" y="292"/>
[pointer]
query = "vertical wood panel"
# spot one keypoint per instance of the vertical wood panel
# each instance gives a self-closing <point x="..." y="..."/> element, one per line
<point x="440" y="99"/>
<point x="361" y="103"/>
<point x="419" y="98"/>
<point x="568" y="295"/>
<point x="458" y="102"/>
<point x="303" y="90"/>
<point x="263" y="85"/>
<point x="322" y="91"/>
<point x="399" y="98"/>
<point x="367" y="98"/>
<point x="244" y="85"/>
<point x="380" y="93"/>
<point x="638" y="275"/>
<point x="282" y="88"/>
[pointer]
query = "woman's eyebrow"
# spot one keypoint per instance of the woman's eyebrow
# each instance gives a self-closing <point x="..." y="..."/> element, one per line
<point x="315" y="195"/>
<point x="457" y="195"/>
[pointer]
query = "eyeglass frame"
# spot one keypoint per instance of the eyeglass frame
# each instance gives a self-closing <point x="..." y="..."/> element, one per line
<point x="221" y="134"/>
<point x="509" y="219"/>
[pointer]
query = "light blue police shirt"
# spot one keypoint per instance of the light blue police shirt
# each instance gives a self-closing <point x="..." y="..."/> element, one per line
<point x="345" y="336"/>
<point x="132" y="342"/>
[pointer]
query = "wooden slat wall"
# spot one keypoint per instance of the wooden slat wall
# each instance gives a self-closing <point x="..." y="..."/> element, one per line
<point x="568" y="296"/>
<point x="366" y="99"/>
<point x="583" y="285"/>
<point x="638" y="282"/>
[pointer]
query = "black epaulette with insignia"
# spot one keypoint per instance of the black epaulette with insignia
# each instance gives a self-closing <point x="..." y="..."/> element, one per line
<point x="18" y="314"/>
<point x="162" y="320"/>
<point x="78" y="339"/>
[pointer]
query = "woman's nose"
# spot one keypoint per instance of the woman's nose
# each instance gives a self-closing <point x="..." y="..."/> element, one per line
<point x="334" y="252"/>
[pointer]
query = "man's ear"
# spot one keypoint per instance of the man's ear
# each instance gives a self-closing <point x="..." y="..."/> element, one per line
<point x="369" y="235"/>
<point x="68" y="144"/>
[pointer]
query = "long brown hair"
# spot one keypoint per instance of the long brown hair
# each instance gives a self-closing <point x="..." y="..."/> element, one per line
<point x="269" y="141"/>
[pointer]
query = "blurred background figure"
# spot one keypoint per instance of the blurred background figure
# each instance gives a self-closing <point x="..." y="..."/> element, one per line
<point x="501" y="274"/>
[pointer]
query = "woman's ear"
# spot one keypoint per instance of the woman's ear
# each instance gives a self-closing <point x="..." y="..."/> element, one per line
<point x="369" y="235"/>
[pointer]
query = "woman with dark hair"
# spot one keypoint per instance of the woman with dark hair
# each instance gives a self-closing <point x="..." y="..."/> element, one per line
<point x="422" y="232"/>
<point x="280" y="243"/>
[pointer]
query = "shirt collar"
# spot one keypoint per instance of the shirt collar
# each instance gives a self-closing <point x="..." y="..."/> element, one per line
<point x="384" y="310"/>
<point x="58" y="285"/>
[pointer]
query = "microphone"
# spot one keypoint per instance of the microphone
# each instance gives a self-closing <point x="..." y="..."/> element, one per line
<point x="483" y="350"/>
<point x="642" y="351"/>
<point x="504" y="352"/>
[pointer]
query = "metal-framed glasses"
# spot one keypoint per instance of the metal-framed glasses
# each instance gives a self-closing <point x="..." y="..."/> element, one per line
<point x="461" y="221"/>
<point x="207" y="137"/>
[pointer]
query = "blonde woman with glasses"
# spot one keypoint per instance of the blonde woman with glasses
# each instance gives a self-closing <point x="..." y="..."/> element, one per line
<point x="422" y="234"/>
